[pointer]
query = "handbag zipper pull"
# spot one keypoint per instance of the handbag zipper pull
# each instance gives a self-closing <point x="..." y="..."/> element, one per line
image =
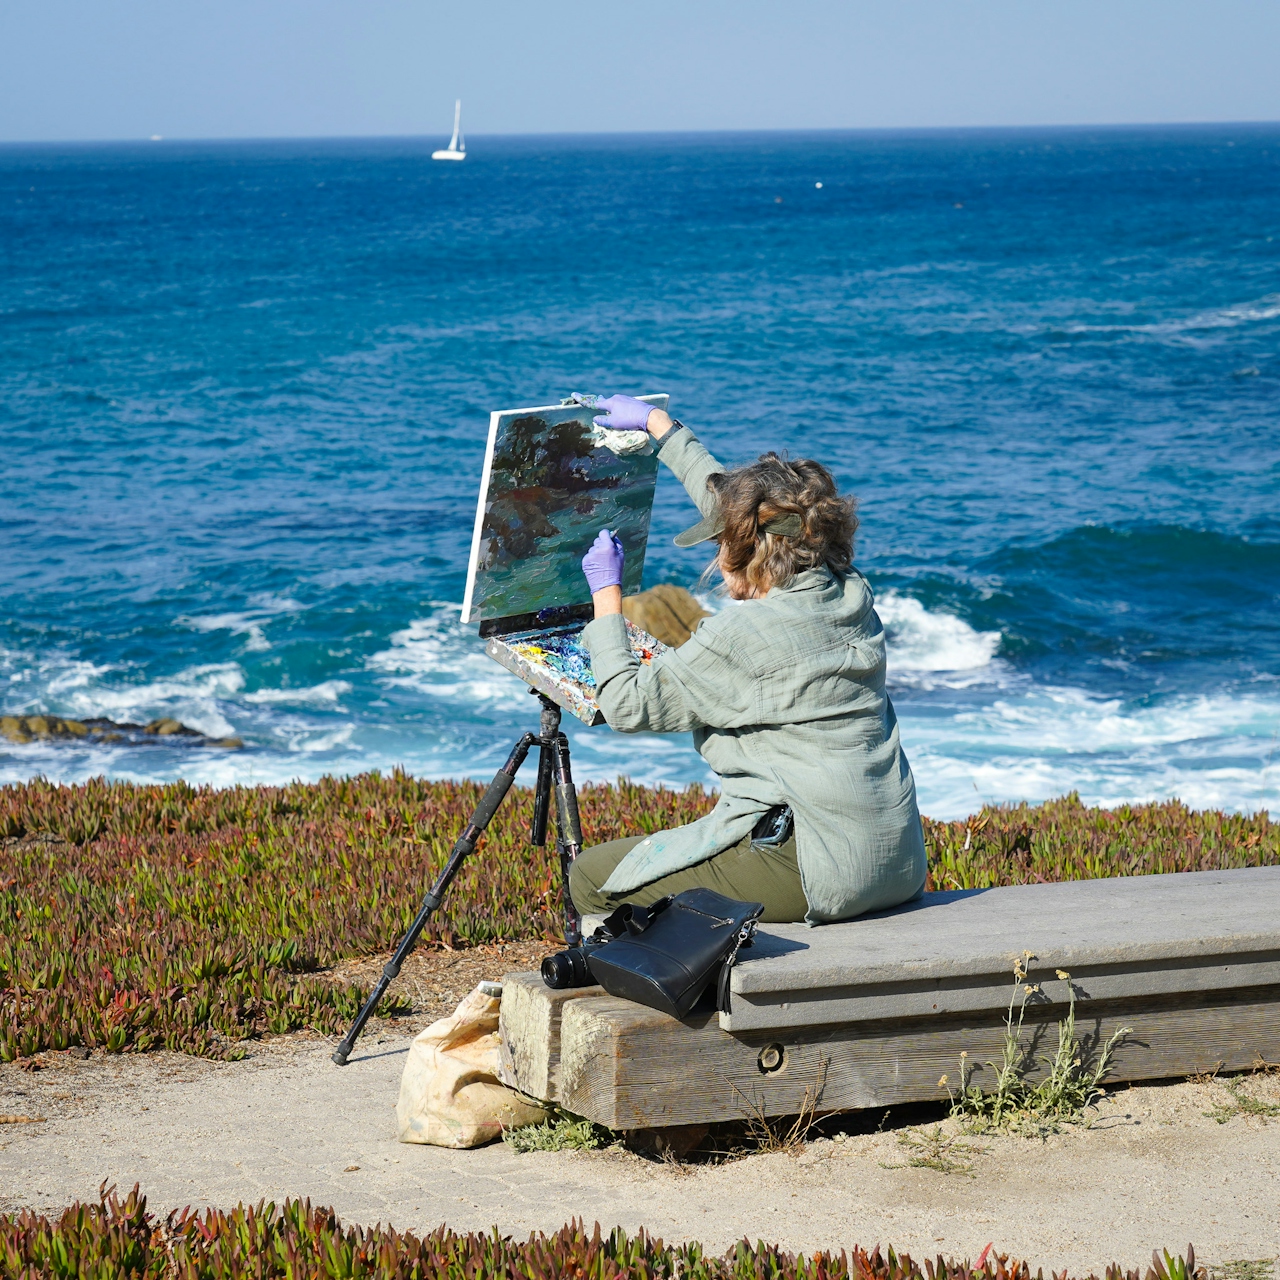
<point x="746" y="935"/>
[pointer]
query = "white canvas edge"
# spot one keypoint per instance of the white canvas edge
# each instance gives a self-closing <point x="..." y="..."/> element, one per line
<point x="651" y="397"/>
<point x="474" y="559"/>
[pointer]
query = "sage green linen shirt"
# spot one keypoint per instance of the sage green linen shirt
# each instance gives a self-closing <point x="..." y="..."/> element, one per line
<point x="785" y="696"/>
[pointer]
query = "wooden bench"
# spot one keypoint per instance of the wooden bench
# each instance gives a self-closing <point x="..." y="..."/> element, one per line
<point x="874" y="1012"/>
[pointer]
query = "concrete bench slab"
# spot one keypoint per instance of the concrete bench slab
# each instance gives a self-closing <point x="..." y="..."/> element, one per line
<point x="954" y="952"/>
<point x="1188" y="963"/>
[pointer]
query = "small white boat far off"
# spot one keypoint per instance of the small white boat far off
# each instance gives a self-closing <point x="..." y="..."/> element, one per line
<point x="457" y="148"/>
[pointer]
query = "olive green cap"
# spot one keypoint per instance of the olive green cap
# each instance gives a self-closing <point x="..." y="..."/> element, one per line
<point x="712" y="526"/>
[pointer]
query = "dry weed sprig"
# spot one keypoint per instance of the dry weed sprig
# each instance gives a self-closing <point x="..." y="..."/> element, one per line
<point x="936" y="1149"/>
<point x="770" y="1135"/>
<point x="1068" y="1089"/>
<point x="1242" y="1103"/>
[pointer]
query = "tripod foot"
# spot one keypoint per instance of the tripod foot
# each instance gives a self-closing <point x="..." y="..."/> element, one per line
<point x="340" y="1055"/>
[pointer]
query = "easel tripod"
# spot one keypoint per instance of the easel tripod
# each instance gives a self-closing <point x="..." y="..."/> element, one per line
<point x="553" y="764"/>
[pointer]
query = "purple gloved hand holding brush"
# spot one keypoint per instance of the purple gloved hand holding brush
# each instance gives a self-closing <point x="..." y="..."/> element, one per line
<point x="602" y="564"/>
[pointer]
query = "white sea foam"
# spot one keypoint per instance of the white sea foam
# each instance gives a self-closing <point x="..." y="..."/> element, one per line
<point x="29" y="678"/>
<point x="64" y="677"/>
<point x="326" y="693"/>
<point x="437" y="657"/>
<point x="191" y="696"/>
<point x="62" y="685"/>
<point x="927" y="649"/>
<point x="250" y="623"/>
<point x="240" y="624"/>
<point x="1216" y="752"/>
<point x="208" y="697"/>
<point x="1185" y="328"/>
<point x="447" y="710"/>
<point x="1228" y="317"/>
<point x="296" y="736"/>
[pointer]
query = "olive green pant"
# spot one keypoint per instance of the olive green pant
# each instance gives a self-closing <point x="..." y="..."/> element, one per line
<point x="747" y="872"/>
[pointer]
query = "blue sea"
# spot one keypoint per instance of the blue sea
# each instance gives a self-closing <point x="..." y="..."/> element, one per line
<point x="245" y="387"/>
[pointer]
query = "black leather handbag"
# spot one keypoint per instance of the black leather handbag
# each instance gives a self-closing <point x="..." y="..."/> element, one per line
<point x="665" y="956"/>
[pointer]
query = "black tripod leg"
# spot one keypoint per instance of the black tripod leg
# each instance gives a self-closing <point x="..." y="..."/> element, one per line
<point x="463" y="846"/>
<point x="569" y="830"/>
<point x="541" y="796"/>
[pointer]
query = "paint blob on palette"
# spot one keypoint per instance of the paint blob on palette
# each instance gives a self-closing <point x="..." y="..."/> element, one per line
<point x="557" y="663"/>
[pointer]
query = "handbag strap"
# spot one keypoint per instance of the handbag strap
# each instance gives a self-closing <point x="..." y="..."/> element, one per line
<point x="632" y="919"/>
<point x="746" y="936"/>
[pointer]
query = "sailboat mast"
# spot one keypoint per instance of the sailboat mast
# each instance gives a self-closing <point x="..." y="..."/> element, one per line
<point x="457" y="148"/>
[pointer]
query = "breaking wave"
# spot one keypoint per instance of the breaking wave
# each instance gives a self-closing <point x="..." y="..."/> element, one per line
<point x="928" y="649"/>
<point x="1209" y="752"/>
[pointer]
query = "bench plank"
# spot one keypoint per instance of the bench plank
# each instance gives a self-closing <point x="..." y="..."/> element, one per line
<point x="629" y="1067"/>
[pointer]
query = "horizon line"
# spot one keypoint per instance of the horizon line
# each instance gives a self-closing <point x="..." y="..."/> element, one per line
<point x="152" y="139"/>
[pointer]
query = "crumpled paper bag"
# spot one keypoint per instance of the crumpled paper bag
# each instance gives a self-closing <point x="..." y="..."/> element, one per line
<point x="450" y="1095"/>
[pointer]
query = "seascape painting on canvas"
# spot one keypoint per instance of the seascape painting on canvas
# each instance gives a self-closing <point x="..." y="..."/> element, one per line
<point x="549" y="486"/>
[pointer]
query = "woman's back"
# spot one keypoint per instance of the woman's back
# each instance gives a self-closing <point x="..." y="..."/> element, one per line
<point x="785" y="697"/>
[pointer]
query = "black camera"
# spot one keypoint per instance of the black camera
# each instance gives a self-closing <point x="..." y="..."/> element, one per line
<point x="568" y="968"/>
<point x="775" y="827"/>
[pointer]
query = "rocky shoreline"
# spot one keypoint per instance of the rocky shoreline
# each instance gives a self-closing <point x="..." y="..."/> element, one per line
<point x="43" y="728"/>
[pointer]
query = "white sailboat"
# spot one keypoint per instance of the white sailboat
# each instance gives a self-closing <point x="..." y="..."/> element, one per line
<point x="457" y="148"/>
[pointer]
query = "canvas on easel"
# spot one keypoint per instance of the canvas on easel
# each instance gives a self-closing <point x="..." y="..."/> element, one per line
<point x="549" y="485"/>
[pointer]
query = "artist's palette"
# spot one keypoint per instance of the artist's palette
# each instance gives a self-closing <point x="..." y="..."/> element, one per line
<point x="557" y="663"/>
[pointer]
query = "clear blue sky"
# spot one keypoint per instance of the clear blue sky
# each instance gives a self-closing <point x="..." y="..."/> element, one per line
<point x="98" y="69"/>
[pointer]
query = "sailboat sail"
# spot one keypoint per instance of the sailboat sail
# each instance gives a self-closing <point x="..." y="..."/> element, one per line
<point x="457" y="148"/>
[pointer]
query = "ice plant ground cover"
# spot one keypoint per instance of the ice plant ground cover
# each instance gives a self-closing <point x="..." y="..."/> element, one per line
<point x="137" y="916"/>
<point x="120" y="1238"/>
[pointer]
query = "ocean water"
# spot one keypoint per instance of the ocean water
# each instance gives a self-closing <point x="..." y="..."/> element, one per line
<point x="244" y="392"/>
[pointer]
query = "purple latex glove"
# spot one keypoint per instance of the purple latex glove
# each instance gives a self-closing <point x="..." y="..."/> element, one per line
<point x="603" y="562"/>
<point x="619" y="413"/>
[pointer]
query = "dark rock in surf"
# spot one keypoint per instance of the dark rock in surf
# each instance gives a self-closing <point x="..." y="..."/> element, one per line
<point x="166" y="727"/>
<point x="45" y="728"/>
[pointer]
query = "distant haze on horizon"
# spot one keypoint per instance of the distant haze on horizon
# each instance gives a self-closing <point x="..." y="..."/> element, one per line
<point x="71" y="70"/>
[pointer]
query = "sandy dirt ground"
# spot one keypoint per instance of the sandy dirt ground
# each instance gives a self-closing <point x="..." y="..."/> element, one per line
<point x="1152" y="1170"/>
<point x="435" y="981"/>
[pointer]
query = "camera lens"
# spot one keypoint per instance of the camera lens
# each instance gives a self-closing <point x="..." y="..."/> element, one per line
<point x="578" y="960"/>
<point x="569" y="968"/>
<point x="557" y="971"/>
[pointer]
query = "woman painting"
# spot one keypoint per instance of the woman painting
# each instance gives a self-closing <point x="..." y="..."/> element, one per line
<point x="785" y="695"/>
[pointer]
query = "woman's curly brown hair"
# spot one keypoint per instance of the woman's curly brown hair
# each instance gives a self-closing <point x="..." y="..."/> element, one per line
<point x="758" y="493"/>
